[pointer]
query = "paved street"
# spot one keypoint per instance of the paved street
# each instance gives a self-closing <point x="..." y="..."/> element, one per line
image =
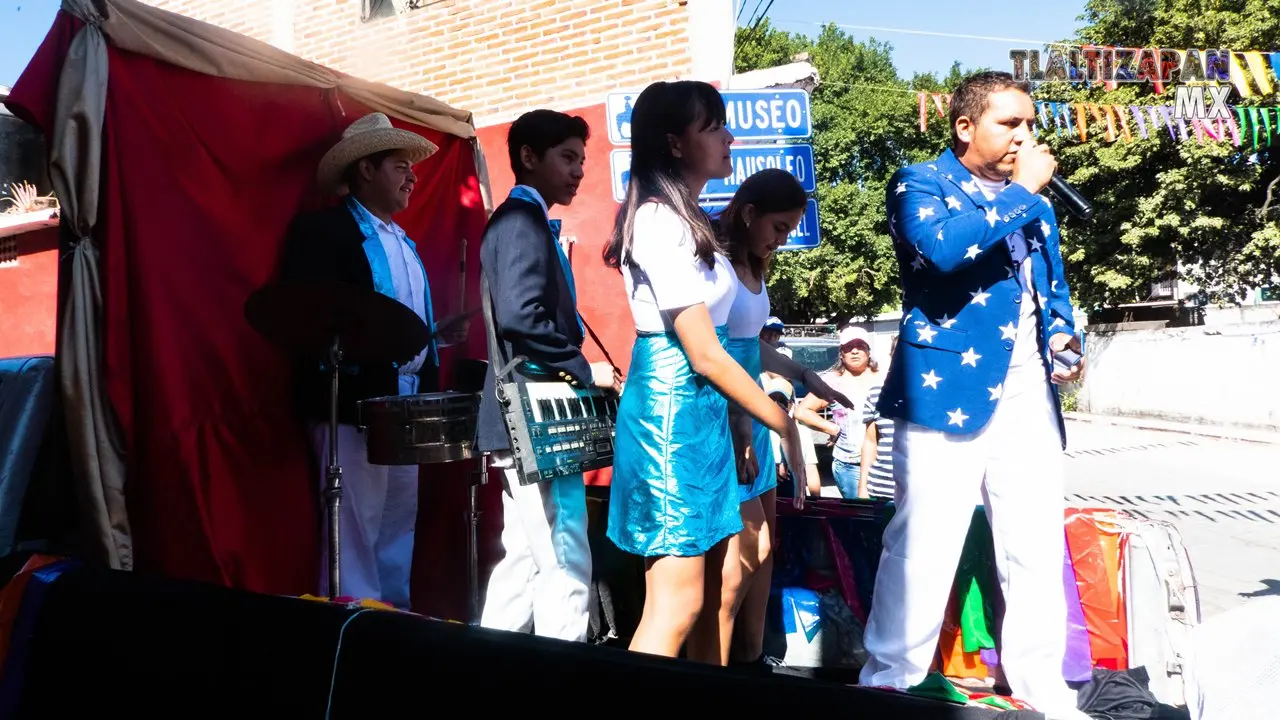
<point x="1223" y="496"/>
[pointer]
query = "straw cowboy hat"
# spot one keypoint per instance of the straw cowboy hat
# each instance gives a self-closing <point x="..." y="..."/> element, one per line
<point x="370" y="134"/>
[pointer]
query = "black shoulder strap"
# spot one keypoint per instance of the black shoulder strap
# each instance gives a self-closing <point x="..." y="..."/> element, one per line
<point x="502" y="367"/>
<point x="595" y="338"/>
<point x="599" y="344"/>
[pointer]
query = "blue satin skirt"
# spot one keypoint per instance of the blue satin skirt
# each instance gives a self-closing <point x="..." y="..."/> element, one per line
<point x="674" y="488"/>
<point x="747" y="352"/>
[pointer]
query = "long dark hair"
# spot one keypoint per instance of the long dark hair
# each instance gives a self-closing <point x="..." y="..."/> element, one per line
<point x="665" y="109"/>
<point x="769" y="191"/>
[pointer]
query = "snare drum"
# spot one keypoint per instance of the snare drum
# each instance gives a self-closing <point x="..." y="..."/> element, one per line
<point x="420" y="429"/>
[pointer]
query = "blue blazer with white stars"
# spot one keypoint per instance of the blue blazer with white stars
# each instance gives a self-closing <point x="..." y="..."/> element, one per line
<point x="961" y="296"/>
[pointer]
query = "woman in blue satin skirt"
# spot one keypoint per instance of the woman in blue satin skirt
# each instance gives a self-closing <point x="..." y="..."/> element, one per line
<point x="765" y="210"/>
<point x="674" y="497"/>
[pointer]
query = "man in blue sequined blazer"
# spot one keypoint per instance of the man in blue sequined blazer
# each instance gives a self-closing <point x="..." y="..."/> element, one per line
<point x="972" y="392"/>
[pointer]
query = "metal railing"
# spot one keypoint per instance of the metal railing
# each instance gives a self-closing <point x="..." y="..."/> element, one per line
<point x="806" y="331"/>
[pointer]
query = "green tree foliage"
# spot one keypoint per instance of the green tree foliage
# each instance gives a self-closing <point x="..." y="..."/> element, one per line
<point x="1168" y="208"/>
<point x="1165" y="208"/>
<point x="866" y="126"/>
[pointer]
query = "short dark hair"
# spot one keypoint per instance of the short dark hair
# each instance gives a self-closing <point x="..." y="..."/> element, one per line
<point x="541" y="130"/>
<point x="970" y="97"/>
<point x="351" y="175"/>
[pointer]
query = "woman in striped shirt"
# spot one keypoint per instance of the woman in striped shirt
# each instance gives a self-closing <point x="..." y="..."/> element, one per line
<point x="876" y="478"/>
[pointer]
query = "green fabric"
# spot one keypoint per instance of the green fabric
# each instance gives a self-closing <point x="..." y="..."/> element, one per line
<point x="997" y="702"/>
<point x="937" y="687"/>
<point x="976" y="585"/>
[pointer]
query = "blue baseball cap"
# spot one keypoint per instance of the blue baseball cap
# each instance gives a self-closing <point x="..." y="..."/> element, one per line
<point x="773" y="323"/>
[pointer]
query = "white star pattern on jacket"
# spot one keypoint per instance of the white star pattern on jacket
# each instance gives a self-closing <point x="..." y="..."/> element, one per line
<point x="972" y="252"/>
<point x="1009" y="332"/>
<point x="993" y="217"/>
<point x="1045" y="229"/>
<point x="969" y="186"/>
<point x="970" y="358"/>
<point x="996" y="392"/>
<point x="902" y="187"/>
<point x="957" y="417"/>
<point x="918" y="263"/>
<point x="926" y="334"/>
<point x="953" y="203"/>
<point x="946" y="322"/>
<point x="979" y="298"/>
<point x="931" y="380"/>
<point x="925" y="212"/>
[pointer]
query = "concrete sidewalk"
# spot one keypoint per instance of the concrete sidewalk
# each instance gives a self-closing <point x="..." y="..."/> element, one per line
<point x="1210" y="431"/>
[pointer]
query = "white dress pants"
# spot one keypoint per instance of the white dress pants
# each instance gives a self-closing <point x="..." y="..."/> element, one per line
<point x="1017" y="464"/>
<point x="543" y="582"/>
<point x="377" y="517"/>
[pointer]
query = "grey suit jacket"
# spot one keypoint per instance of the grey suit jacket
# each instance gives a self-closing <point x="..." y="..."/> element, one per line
<point x="533" y="308"/>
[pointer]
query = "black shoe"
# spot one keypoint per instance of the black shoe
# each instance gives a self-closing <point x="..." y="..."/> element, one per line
<point x="764" y="663"/>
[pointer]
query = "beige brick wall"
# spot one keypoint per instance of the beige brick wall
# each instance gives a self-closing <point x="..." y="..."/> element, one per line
<point x="496" y="58"/>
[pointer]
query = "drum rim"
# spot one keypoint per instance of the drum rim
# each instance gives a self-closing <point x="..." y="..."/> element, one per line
<point x="442" y="398"/>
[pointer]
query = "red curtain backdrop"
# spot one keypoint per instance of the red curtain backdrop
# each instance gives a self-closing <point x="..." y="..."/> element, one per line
<point x="201" y="176"/>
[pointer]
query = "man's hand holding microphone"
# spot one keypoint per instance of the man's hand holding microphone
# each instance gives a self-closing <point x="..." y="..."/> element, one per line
<point x="1034" y="166"/>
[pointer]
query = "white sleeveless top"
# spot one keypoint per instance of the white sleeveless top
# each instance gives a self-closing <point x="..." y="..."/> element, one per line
<point x="750" y="311"/>
<point x="666" y="275"/>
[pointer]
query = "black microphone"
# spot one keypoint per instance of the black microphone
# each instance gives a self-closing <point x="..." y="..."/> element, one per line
<point x="1070" y="197"/>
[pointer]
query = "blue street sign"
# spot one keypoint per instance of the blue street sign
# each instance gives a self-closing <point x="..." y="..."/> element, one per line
<point x="768" y="114"/>
<point x="751" y="114"/>
<point x="806" y="236"/>
<point x="747" y="160"/>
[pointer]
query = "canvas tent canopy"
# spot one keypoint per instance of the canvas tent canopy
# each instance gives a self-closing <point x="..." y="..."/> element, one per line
<point x="180" y="151"/>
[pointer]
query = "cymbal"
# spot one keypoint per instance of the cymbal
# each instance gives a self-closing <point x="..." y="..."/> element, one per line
<point x="305" y="317"/>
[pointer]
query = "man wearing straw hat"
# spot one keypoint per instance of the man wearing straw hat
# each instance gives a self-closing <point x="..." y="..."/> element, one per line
<point x="358" y="242"/>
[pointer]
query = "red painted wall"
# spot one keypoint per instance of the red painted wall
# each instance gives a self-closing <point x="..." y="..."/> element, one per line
<point x="29" y="296"/>
<point x="601" y="297"/>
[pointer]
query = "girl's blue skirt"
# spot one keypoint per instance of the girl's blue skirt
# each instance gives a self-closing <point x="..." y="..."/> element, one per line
<point x="674" y="489"/>
<point x="747" y="352"/>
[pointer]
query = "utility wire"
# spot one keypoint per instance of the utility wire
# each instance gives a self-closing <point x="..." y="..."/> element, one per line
<point x="859" y="86"/>
<point x="754" y="32"/>
<point x="931" y="33"/>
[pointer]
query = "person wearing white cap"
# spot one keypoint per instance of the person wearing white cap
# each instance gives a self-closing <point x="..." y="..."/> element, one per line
<point x="358" y="242"/>
<point x="855" y="374"/>
<point x="772" y="331"/>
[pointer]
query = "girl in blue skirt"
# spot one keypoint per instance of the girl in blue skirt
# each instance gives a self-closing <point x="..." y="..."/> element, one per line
<point x="674" y="496"/>
<point x="765" y="210"/>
